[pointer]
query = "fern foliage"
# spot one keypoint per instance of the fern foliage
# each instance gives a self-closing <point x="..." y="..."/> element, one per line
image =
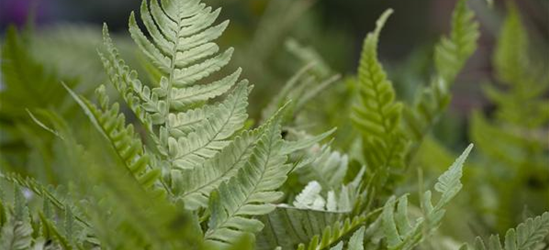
<point x="189" y="169"/>
<point x="519" y="122"/>
<point x="251" y="191"/>
<point x="526" y="235"/>
<point x="181" y="48"/>
<point x="122" y="138"/>
<point x="399" y="232"/>
<point x="378" y="115"/>
<point x="451" y="54"/>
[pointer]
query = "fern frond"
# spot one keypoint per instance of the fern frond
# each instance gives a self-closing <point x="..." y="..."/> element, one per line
<point x="144" y="102"/>
<point x="328" y="168"/>
<point x="356" y="242"/>
<point x="46" y="192"/>
<point x="332" y="235"/>
<point x="377" y="116"/>
<point x="250" y="192"/>
<point x="511" y="56"/>
<point x="180" y="44"/>
<point x="50" y="231"/>
<point x="123" y="139"/>
<point x="192" y="150"/>
<point x="399" y="232"/>
<point x="16" y="235"/>
<point x="17" y="232"/>
<point x="287" y="226"/>
<point x="524" y="237"/>
<point x="451" y="53"/>
<point x="195" y="185"/>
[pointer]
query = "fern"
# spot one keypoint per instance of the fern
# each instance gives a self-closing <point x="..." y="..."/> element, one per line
<point x="122" y="138"/>
<point x="287" y="226"/>
<point x="399" y="233"/>
<point x="181" y="47"/>
<point x="378" y="115"/>
<point x="525" y="236"/>
<point x="250" y="192"/>
<point x="332" y="235"/>
<point x="451" y="53"/>
<point x="519" y="122"/>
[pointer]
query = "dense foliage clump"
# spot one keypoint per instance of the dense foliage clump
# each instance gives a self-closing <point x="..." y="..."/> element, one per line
<point x="175" y="162"/>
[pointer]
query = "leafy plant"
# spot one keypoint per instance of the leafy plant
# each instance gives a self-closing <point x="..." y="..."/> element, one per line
<point x="186" y="168"/>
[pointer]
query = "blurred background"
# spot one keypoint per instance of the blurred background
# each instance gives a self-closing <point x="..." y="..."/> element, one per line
<point x="275" y="38"/>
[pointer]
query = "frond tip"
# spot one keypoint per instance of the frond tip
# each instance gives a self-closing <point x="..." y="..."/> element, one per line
<point x="399" y="232"/>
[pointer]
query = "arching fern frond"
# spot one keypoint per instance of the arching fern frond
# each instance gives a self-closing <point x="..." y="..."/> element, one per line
<point x="377" y="116"/>
<point x="524" y="237"/>
<point x="123" y="139"/>
<point x="399" y="232"/>
<point x="144" y="102"/>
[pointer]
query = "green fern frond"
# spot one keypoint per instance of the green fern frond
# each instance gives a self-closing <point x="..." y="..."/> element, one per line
<point x="250" y="192"/>
<point x="51" y="232"/>
<point x="524" y="237"/>
<point x="287" y="226"/>
<point x="16" y="234"/>
<point x="377" y="116"/>
<point x="451" y="54"/>
<point x="123" y="139"/>
<point x="143" y="101"/>
<point x="328" y="167"/>
<point x="511" y="59"/>
<point x="180" y="44"/>
<point x="334" y="234"/>
<point x="47" y="193"/>
<point x="355" y="243"/>
<point x="192" y="150"/>
<point x="195" y="185"/>
<point x="399" y="233"/>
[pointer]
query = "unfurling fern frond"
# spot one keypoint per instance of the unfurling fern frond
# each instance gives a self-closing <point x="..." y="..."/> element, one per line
<point x="377" y="116"/>
<point x="451" y="53"/>
<point x="251" y="192"/>
<point x="525" y="236"/>
<point x="399" y="233"/>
